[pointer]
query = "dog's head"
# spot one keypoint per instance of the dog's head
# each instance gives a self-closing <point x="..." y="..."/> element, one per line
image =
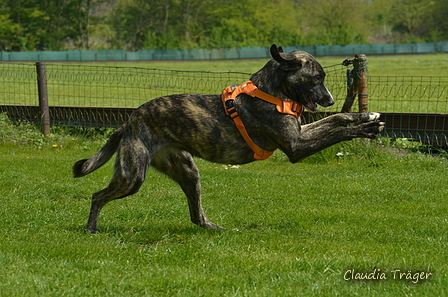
<point x="303" y="79"/>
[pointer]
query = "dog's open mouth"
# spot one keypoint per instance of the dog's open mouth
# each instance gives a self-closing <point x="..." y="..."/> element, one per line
<point x="310" y="104"/>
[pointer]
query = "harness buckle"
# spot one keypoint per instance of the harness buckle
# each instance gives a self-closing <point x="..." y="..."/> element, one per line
<point x="230" y="103"/>
<point x="230" y="108"/>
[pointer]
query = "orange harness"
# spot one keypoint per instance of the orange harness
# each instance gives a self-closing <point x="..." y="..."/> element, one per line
<point x="229" y="95"/>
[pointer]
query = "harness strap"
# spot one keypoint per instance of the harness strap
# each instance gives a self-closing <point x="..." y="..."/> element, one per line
<point x="229" y="95"/>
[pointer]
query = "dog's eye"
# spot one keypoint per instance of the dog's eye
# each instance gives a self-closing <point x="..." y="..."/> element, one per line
<point x="314" y="80"/>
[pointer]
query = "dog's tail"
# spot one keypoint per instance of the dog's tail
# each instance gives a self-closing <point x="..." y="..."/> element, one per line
<point x="86" y="166"/>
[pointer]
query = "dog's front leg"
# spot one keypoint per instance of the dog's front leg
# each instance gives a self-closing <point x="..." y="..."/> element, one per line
<point x="337" y="120"/>
<point x="332" y="130"/>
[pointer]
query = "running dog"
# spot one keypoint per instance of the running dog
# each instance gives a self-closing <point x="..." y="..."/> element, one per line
<point x="246" y="123"/>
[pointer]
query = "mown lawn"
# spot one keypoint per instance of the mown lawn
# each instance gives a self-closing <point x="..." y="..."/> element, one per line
<point x="292" y="230"/>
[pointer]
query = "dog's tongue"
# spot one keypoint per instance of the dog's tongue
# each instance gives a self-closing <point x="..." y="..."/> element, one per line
<point x="311" y="105"/>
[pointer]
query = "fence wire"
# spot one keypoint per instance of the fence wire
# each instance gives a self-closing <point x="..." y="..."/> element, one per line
<point x="409" y="94"/>
<point x="337" y="83"/>
<point x="99" y="96"/>
<point x="98" y="86"/>
<point x="103" y="96"/>
<point x="416" y="107"/>
<point x="18" y="84"/>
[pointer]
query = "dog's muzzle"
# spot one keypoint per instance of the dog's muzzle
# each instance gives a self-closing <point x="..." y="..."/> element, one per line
<point x="330" y="99"/>
<point x="326" y="99"/>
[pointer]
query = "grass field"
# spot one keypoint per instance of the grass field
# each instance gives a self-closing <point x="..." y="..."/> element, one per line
<point x="408" y="83"/>
<point x="394" y="65"/>
<point x="303" y="229"/>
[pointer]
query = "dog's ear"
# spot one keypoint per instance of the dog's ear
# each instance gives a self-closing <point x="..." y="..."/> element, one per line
<point x="275" y="53"/>
<point x="287" y="64"/>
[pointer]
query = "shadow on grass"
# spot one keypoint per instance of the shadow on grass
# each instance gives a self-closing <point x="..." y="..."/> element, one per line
<point x="149" y="235"/>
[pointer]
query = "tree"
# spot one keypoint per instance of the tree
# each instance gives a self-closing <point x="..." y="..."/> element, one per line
<point x="335" y="21"/>
<point x="22" y="21"/>
<point x="164" y="24"/>
<point x="8" y="30"/>
<point x="409" y="18"/>
<point x="131" y="21"/>
<point x="437" y="27"/>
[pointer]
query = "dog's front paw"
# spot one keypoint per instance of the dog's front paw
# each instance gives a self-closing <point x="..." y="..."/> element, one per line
<point x="374" y="116"/>
<point x="372" y="129"/>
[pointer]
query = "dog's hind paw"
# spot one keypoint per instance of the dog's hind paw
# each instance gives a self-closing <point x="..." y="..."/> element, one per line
<point x="210" y="225"/>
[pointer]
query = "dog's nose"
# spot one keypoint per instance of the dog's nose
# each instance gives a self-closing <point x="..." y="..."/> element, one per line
<point x="327" y="101"/>
<point x="330" y="101"/>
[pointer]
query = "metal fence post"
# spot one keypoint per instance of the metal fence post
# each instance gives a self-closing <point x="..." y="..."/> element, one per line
<point x="43" y="97"/>
<point x="352" y="89"/>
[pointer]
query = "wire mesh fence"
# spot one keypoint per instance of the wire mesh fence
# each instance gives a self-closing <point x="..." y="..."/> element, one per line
<point x="102" y="96"/>
<point x="98" y="96"/>
<point x="98" y="86"/>
<point x="409" y="94"/>
<point x="18" y="84"/>
<point x="414" y="107"/>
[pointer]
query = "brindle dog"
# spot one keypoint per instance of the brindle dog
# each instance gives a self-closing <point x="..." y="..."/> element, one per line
<point x="167" y="132"/>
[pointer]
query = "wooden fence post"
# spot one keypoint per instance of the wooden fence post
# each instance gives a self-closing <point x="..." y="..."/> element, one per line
<point x="357" y="84"/>
<point x="360" y="68"/>
<point x="43" y="97"/>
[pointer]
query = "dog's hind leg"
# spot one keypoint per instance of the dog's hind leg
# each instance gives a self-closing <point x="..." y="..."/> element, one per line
<point x="179" y="166"/>
<point x="131" y="166"/>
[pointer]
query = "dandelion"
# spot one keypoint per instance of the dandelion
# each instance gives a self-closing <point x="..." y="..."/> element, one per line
<point x="231" y="166"/>
<point x="55" y="145"/>
<point x="341" y="154"/>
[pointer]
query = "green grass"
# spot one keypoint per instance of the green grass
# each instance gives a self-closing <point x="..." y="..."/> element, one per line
<point x="407" y="83"/>
<point x="393" y="65"/>
<point x="300" y="226"/>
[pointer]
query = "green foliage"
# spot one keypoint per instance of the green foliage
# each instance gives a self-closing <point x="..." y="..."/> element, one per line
<point x="26" y="135"/>
<point x="414" y="146"/>
<point x="46" y="25"/>
<point x="168" y="24"/>
<point x="8" y="29"/>
<point x="19" y="134"/>
<point x="334" y="22"/>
